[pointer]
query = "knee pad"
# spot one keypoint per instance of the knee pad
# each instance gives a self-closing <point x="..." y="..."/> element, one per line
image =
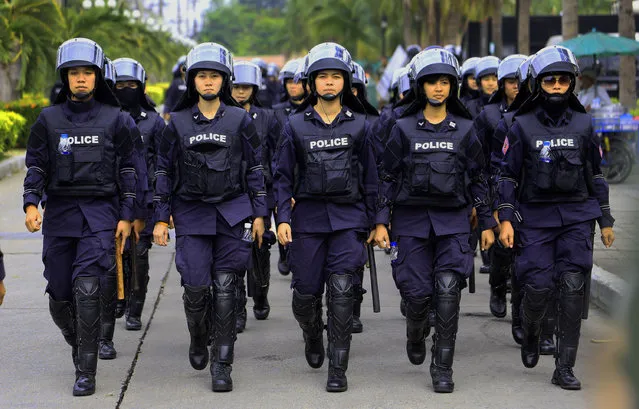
<point x="572" y="283"/>
<point x="340" y="285"/>
<point x="224" y="282"/>
<point x="447" y="284"/>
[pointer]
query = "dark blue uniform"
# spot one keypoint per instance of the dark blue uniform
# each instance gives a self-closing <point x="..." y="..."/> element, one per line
<point x="476" y="105"/>
<point x="328" y="234"/>
<point x="554" y="229"/>
<point x="173" y="94"/>
<point x="208" y="222"/>
<point x="80" y="224"/>
<point x="431" y="237"/>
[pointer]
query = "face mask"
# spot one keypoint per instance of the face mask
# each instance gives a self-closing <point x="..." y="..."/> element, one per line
<point x="128" y="97"/>
<point x="555" y="99"/>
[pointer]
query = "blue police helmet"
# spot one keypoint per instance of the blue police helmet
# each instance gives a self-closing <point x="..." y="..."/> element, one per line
<point x="289" y="69"/>
<point x="247" y="73"/>
<point x="300" y="73"/>
<point x="272" y="70"/>
<point x="401" y="80"/>
<point x="79" y="52"/>
<point x="109" y="72"/>
<point x="435" y="61"/>
<point x="522" y="70"/>
<point x="260" y="63"/>
<point x="468" y="67"/>
<point x="209" y="56"/>
<point x="509" y="66"/>
<point x="553" y="59"/>
<point x="128" y="69"/>
<point x="329" y="56"/>
<point x="359" y="75"/>
<point x="412" y="50"/>
<point x="486" y="66"/>
<point x="180" y="62"/>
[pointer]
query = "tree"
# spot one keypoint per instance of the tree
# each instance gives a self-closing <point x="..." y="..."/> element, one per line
<point x="627" y="67"/>
<point x="570" y="19"/>
<point x="496" y="20"/>
<point x="523" y="26"/>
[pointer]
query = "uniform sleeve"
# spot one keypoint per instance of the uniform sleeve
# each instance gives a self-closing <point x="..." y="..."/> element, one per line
<point x="380" y="130"/>
<point x="284" y="175"/>
<point x="37" y="162"/>
<point x="127" y="139"/>
<point x="252" y="152"/>
<point x="483" y="132"/>
<point x="152" y="148"/>
<point x="496" y="157"/>
<point x="371" y="180"/>
<point x="390" y="173"/>
<point x="164" y="165"/>
<point x="510" y="173"/>
<point x="141" y="194"/>
<point x="599" y="185"/>
<point x="475" y="165"/>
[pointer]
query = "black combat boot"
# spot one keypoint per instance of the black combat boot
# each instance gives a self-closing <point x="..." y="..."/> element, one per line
<point x="197" y="307"/>
<point x="417" y="329"/>
<point x="137" y="297"/>
<point x="500" y="268"/>
<point x="282" y="263"/>
<point x="498" y="301"/>
<point x="307" y="310"/>
<point x="448" y="295"/>
<point x="533" y="309"/>
<point x="261" y="306"/>
<point x="485" y="262"/>
<point x="340" y="327"/>
<point x="547" y="337"/>
<point x="63" y="314"/>
<point x="108" y="295"/>
<point x="224" y="326"/>
<point x="570" y="311"/>
<point x="402" y="307"/>
<point x="515" y="309"/>
<point x="86" y="292"/>
<point x="240" y="297"/>
<point x="358" y="293"/>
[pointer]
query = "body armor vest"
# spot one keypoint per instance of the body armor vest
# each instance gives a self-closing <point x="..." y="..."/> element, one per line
<point x="435" y="172"/>
<point x="561" y="177"/>
<point x="262" y="121"/>
<point x="210" y="164"/>
<point x="82" y="156"/>
<point x="328" y="162"/>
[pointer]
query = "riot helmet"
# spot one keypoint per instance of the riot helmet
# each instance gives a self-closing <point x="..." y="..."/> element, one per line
<point x="131" y="97"/>
<point x="287" y="74"/>
<point x="412" y="50"/>
<point x="359" y="83"/>
<point x="359" y="75"/>
<point x="262" y="64"/>
<point x="247" y="73"/>
<point x="486" y="66"/>
<point x="468" y="67"/>
<point x="179" y="66"/>
<point x="272" y="70"/>
<point x="109" y="73"/>
<point x="329" y="56"/>
<point x="83" y="52"/>
<point x="522" y="70"/>
<point x="509" y="66"/>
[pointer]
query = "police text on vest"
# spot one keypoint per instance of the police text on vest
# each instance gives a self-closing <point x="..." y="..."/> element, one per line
<point x="328" y="143"/>
<point x="425" y="146"/>
<point x="207" y="137"/>
<point x="557" y="143"/>
<point x="84" y="140"/>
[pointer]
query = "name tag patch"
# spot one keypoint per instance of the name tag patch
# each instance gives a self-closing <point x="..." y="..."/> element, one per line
<point x="209" y="137"/>
<point x="319" y="144"/>
<point x="557" y="143"/>
<point x="84" y="140"/>
<point x="424" y="146"/>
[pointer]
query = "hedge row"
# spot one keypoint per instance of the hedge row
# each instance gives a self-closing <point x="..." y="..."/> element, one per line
<point x="29" y="107"/>
<point x="11" y="124"/>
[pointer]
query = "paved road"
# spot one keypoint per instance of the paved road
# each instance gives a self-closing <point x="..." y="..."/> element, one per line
<point x="152" y="369"/>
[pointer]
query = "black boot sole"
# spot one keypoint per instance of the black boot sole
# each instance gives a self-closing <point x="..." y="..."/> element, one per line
<point x="498" y="314"/>
<point x="335" y="388"/>
<point x="218" y="387"/>
<point x="83" y="393"/>
<point x="566" y="387"/>
<point x="446" y="388"/>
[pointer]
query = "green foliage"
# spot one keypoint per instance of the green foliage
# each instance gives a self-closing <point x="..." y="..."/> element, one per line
<point x="29" y="108"/>
<point x="157" y="91"/>
<point x="554" y="7"/>
<point x="11" y="125"/>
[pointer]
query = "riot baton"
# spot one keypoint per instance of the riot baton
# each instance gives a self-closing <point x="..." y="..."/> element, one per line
<point x="586" y="306"/>
<point x="471" y="280"/>
<point x="118" y="267"/>
<point x="373" y="271"/>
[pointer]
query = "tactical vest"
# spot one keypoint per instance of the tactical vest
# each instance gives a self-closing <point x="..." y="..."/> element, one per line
<point x="328" y="163"/>
<point x="563" y="178"/>
<point x="262" y="121"/>
<point x="435" y="173"/>
<point x="493" y="116"/>
<point x="210" y="164"/>
<point x="84" y="163"/>
<point x="146" y="125"/>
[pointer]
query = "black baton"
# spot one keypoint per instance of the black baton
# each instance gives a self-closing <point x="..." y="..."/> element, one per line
<point x="135" y="279"/>
<point x="588" y="278"/>
<point x="373" y="271"/>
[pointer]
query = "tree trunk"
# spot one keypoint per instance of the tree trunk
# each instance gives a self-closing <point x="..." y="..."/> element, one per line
<point x="627" y="68"/>
<point x="523" y="27"/>
<point x="570" y="19"/>
<point x="407" y="17"/>
<point x="9" y="77"/>
<point x="438" y="19"/>
<point x="432" y="22"/>
<point x="496" y="27"/>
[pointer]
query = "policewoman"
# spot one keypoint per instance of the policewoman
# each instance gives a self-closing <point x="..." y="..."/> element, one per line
<point x="247" y="78"/>
<point x="210" y="179"/>
<point x="551" y="191"/>
<point x="486" y="79"/>
<point x="468" y="89"/>
<point x="326" y="163"/>
<point x="130" y="90"/>
<point x="81" y="153"/>
<point x="430" y="178"/>
<point x="485" y="124"/>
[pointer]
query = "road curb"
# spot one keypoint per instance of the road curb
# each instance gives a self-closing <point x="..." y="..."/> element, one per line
<point x="606" y="289"/>
<point x="11" y="165"/>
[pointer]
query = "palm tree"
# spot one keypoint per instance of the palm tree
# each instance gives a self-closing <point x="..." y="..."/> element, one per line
<point x="523" y="26"/>
<point x="570" y="19"/>
<point x="27" y="30"/>
<point x="627" y="68"/>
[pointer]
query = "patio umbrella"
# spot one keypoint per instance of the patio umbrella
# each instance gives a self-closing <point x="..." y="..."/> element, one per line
<point x="601" y="45"/>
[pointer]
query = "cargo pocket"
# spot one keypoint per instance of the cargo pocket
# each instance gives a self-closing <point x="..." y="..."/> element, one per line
<point x="314" y="178"/>
<point x="64" y="165"/>
<point x="107" y="260"/>
<point x="443" y="178"/>
<point x="87" y="166"/>
<point x="337" y="176"/>
<point x="419" y="179"/>
<point x="192" y="178"/>
<point x="568" y="171"/>
<point x="218" y="176"/>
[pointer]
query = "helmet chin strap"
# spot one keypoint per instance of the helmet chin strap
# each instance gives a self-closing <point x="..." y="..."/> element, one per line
<point x="298" y="98"/>
<point x="330" y="97"/>
<point x="210" y="97"/>
<point x="435" y="102"/>
<point x="83" y="96"/>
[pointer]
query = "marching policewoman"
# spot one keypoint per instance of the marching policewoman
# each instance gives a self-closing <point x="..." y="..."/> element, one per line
<point x="430" y="178"/>
<point x="551" y="191"/>
<point x="210" y="179"/>
<point x="326" y="163"/>
<point x="81" y="153"/>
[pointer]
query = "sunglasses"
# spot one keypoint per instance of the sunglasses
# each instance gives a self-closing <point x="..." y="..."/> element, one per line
<point x="551" y="80"/>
